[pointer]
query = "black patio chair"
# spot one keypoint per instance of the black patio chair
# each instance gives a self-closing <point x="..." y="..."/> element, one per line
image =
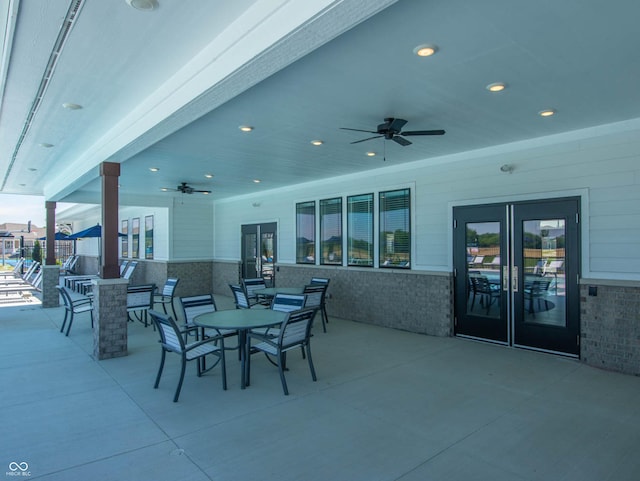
<point x="295" y="331"/>
<point x="171" y="340"/>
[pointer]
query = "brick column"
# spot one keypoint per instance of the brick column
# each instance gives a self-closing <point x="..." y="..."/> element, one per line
<point x="50" y="272"/>
<point x="110" y="311"/>
<point x="50" y="279"/>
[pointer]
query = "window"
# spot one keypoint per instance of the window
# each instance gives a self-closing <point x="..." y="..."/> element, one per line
<point x="360" y="230"/>
<point x="395" y="229"/>
<point x="331" y="231"/>
<point x="135" y="238"/>
<point x="125" y="240"/>
<point x="148" y="237"/>
<point x="306" y="232"/>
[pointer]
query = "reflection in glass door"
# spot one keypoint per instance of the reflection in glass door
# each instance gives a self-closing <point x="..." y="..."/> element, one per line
<point x="259" y="251"/>
<point x="516" y="274"/>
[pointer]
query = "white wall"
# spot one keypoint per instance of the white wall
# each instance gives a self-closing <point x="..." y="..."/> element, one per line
<point x="191" y="223"/>
<point x="160" y="229"/>
<point x="602" y="165"/>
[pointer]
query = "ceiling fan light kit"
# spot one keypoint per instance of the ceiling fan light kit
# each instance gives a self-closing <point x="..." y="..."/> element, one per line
<point x="185" y="188"/>
<point x="391" y="129"/>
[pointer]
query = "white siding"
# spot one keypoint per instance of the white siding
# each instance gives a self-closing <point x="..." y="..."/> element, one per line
<point x="602" y="165"/>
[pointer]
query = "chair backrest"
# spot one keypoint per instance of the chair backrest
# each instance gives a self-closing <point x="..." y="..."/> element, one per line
<point x="170" y="336"/>
<point x="170" y="286"/>
<point x="315" y="294"/>
<point x="319" y="280"/>
<point x="30" y="271"/>
<point x="140" y="297"/>
<point x="251" y="285"/>
<point x="18" y="265"/>
<point x="480" y="284"/>
<point x="240" y="297"/>
<point x="130" y="268"/>
<point x="37" y="280"/>
<point x="296" y="328"/>
<point x="66" y="297"/>
<point x="193" y="306"/>
<point x="288" y="302"/>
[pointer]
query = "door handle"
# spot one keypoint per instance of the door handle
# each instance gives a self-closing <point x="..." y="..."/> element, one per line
<point x="514" y="279"/>
<point x="505" y="278"/>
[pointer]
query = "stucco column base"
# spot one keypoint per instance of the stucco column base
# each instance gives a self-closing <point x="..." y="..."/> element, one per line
<point x="50" y="279"/>
<point x="110" y="318"/>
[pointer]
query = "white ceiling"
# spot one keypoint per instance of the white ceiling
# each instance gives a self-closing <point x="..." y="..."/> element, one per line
<point x="169" y="88"/>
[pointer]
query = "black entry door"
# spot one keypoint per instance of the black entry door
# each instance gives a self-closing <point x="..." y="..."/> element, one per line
<point x="546" y="258"/>
<point x="480" y="247"/>
<point x="516" y="274"/>
<point x="259" y="251"/>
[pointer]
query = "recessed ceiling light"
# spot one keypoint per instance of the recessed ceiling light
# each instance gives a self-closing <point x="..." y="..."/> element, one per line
<point x="154" y="169"/>
<point x="205" y="192"/>
<point x="246" y="128"/>
<point x="496" y="87"/>
<point x="46" y="145"/>
<point x="164" y="189"/>
<point x="547" y="112"/>
<point x="317" y="142"/>
<point x="144" y="5"/>
<point x="71" y="106"/>
<point x="256" y="181"/>
<point x="425" y="50"/>
<point x="209" y="176"/>
<point x="371" y="154"/>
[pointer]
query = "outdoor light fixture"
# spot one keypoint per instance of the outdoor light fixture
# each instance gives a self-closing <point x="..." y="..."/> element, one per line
<point x="144" y="5"/>
<point x="425" y="50"/>
<point x="496" y="87"/>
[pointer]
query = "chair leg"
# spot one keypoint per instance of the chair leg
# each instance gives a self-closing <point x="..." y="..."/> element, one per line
<point x="224" y="370"/>
<point x="155" y="386"/>
<point x="281" y="361"/>
<point x="70" y="322"/>
<point x="66" y="314"/>
<point x="182" y="369"/>
<point x="311" y="368"/>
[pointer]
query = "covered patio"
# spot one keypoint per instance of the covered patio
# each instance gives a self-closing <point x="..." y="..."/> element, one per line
<point x="388" y="405"/>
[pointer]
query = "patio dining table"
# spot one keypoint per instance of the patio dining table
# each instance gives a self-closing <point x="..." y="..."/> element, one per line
<point x="272" y="291"/>
<point x="241" y="320"/>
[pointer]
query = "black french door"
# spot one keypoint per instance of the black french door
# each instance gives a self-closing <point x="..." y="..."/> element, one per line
<point x="516" y="274"/>
<point x="259" y="242"/>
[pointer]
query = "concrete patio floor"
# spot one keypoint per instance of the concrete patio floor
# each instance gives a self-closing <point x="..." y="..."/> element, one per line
<point x="388" y="405"/>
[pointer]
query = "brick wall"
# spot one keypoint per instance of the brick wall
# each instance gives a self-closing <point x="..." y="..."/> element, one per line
<point x="409" y="300"/>
<point x="610" y="326"/>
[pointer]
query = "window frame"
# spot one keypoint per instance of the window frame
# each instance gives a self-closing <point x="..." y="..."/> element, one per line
<point x="351" y="226"/>
<point x="383" y="241"/>
<point x="299" y="234"/>
<point x="321" y="214"/>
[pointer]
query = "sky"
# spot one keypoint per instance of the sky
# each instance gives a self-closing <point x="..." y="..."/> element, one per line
<point x="22" y="208"/>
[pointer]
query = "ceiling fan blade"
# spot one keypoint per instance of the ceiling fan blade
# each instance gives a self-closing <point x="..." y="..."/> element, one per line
<point x="395" y="125"/>
<point x="359" y="130"/>
<point x="423" y="132"/>
<point x="370" y="138"/>
<point x="402" y="141"/>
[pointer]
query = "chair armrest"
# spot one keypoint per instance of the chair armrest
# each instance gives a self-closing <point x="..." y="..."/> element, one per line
<point x="205" y="341"/>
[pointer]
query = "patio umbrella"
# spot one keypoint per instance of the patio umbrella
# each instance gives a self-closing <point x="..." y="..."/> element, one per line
<point x="94" y="231"/>
<point x="58" y="236"/>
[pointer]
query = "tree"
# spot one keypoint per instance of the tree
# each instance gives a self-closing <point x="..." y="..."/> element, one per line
<point x="36" y="254"/>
